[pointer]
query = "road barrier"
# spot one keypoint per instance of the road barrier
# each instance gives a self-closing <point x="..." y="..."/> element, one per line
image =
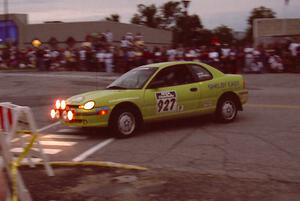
<point x="16" y="121"/>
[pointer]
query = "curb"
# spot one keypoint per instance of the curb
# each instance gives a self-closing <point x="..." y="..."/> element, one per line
<point x="94" y="163"/>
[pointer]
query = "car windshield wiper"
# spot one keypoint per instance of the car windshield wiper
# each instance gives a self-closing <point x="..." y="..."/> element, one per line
<point x="115" y="87"/>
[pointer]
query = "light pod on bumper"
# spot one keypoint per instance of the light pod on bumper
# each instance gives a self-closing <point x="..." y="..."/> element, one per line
<point x="52" y="113"/>
<point x="57" y="104"/>
<point x="70" y="115"/>
<point x="63" y="105"/>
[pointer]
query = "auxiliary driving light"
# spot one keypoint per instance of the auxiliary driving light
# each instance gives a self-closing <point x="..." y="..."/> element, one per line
<point x="52" y="113"/>
<point x="70" y="115"/>
<point x="57" y="114"/>
<point x="63" y="104"/>
<point x="65" y="115"/>
<point x="57" y="104"/>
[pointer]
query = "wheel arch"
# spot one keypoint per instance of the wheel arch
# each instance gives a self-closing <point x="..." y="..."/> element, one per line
<point x="235" y="98"/>
<point x="128" y="105"/>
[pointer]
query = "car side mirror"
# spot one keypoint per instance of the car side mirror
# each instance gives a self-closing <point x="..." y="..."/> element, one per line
<point x="156" y="84"/>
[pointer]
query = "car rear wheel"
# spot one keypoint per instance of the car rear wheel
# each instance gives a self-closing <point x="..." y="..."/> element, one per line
<point x="226" y="110"/>
<point x="123" y="123"/>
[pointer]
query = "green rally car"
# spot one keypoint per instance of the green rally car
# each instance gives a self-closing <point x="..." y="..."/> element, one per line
<point x="156" y="92"/>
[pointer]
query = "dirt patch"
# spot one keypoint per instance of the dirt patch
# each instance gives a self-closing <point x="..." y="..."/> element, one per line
<point x="97" y="184"/>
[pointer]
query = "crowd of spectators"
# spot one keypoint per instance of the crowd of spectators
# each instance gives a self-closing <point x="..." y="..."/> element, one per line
<point x="101" y="54"/>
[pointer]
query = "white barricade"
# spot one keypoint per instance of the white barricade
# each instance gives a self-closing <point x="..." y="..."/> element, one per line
<point x="15" y="121"/>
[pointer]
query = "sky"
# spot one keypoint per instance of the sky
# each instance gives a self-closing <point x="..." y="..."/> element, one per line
<point x="233" y="13"/>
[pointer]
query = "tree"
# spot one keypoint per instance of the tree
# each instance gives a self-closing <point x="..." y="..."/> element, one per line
<point x="136" y="19"/>
<point x="224" y="34"/>
<point x="187" y="29"/>
<point x="147" y="15"/>
<point x="113" y="18"/>
<point x="170" y="16"/>
<point x="257" y="13"/>
<point x="169" y="12"/>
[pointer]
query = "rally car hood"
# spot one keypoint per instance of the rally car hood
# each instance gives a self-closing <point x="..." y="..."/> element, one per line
<point x="92" y="95"/>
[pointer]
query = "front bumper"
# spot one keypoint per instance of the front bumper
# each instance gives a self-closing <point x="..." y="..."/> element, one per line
<point x="85" y="118"/>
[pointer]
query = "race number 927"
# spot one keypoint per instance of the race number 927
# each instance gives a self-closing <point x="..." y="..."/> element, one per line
<point x="166" y="101"/>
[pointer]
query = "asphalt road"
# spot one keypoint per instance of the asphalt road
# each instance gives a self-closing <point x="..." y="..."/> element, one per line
<point x="263" y="142"/>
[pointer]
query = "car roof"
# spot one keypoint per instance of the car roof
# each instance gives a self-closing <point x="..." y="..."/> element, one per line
<point x="171" y="63"/>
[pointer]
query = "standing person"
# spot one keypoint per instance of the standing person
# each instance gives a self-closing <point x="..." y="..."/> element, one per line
<point x="109" y="36"/>
<point x="157" y="54"/>
<point x="275" y="62"/>
<point x="40" y="62"/>
<point x="100" y="55"/>
<point x="297" y="61"/>
<point x="214" y="58"/>
<point x="3" y="185"/>
<point x="108" y="59"/>
<point x="232" y="61"/>
<point x="82" y="58"/>
<point x="171" y="53"/>
<point x="249" y="58"/>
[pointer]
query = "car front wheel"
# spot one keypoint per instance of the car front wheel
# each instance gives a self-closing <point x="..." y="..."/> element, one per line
<point x="123" y="123"/>
<point x="226" y="110"/>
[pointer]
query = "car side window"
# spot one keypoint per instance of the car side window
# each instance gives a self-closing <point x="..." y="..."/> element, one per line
<point x="201" y="73"/>
<point x="172" y="76"/>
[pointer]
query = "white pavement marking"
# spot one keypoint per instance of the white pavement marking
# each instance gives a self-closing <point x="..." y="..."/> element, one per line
<point x="92" y="150"/>
<point x="57" y="143"/>
<point x="75" y="137"/>
<point x="46" y="151"/>
<point x="49" y="126"/>
<point x="17" y="139"/>
<point x="39" y="130"/>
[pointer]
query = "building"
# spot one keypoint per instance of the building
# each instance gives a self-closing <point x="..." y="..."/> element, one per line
<point x="18" y="30"/>
<point x="267" y="31"/>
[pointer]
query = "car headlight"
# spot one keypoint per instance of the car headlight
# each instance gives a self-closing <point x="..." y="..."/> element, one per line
<point x="89" y="105"/>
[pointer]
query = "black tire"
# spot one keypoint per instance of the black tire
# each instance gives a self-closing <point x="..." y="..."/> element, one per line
<point x="124" y="123"/>
<point x="227" y="109"/>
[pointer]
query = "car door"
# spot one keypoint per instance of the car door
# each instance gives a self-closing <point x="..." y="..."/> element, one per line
<point x="172" y="92"/>
<point x="207" y="94"/>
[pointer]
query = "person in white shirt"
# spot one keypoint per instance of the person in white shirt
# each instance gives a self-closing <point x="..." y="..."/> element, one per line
<point x="275" y="63"/>
<point x="109" y="36"/>
<point x="108" y="59"/>
<point x="171" y="53"/>
<point x="293" y="48"/>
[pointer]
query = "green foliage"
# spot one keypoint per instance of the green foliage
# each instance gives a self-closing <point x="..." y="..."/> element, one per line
<point x="224" y="34"/>
<point x="257" y="13"/>
<point x="147" y="15"/>
<point x="113" y="18"/>
<point x="170" y="16"/>
<point x="169" y="12"/>
<point x="187" y="29"/>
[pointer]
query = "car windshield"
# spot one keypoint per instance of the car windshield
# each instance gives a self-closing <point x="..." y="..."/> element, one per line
<point x="134" y="79"/>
